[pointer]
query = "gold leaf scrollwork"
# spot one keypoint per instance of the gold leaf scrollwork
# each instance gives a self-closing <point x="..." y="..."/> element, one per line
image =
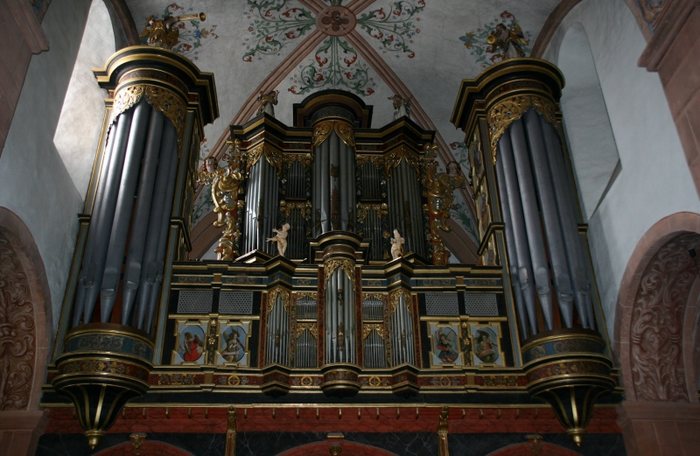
<point x="270" y="153"/>
<point x="395" y="298"/>
<point x="312" y="328"/>
<point x="345" y="264"/>
<point x="278" y="292"/>
<point x="171" y="105"/>
<point x="288" y="207"/>
<point x="364" y="209"/>
<point x="368" y="328"/>
<point x="507" y="111"/>
<point x="342" y="128"/>
<point x="399" y="154"/>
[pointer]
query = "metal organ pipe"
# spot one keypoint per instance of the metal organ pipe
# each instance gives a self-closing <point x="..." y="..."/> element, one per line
<point x="102" y="216"/>
<point x="523" y="314"/>
<point x="550" y="216"/>
<point x="566" y="202"/>
<point x="522" y="249"/>
<point x="532" y="219"/>
<point x="158" y="227"/>
<point x="143" y="208"/>
<point x="112" y="263"/>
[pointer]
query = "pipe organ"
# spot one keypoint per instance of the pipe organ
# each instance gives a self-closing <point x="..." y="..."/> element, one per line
<point x="332" y="278"/>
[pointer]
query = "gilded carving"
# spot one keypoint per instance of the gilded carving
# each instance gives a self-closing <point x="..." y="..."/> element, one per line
<point x="368" y="328"/>
<point x="657" y="322"/>
<point x="342" y="128"/>
<point x="274" y="294"/>
<point x="395" y="297"/>
<point x="17" y="338"/>
<point x="287" y="207"/>
<point x="166" y="101"/>
<point x="397" y="155"/>
<point x="507" y="111"/>
<point x="301" y="327"/>
<point x="439" y="191"/>
<point x="345" y="264"/>
<point x="225" y="188"/>
<point x="271" y="154"/>
<point x="363" y="209"/>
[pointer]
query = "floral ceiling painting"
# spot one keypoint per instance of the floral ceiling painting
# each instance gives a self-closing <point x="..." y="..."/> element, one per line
<point x="379" y="50"/>
<point x="335" y="63"/>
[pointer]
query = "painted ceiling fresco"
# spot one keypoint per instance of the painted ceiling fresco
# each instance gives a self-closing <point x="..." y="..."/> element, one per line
<point x="417" y="49"/>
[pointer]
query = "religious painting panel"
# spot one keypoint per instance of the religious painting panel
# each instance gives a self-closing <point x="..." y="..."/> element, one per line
<point x="445" y="344"/>
<point x="486" y="345"/>
<point x="190" y="346"/>
<point x="233" y="348"/>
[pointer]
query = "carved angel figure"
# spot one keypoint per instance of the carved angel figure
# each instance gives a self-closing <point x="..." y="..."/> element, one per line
<point x="397" y="243"/>
<point x="402" y="106"/>
<point x="280" y="238"/>
<point x="267" y="102"/>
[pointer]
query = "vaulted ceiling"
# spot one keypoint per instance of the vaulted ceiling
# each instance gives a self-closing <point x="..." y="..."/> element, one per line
<point x="418" y="49"/>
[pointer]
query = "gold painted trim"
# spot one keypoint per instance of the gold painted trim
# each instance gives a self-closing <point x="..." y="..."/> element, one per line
<point x="342" y="128"/>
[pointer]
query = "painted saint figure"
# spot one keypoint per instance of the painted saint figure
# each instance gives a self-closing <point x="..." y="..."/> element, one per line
<point x="397" y="243"/>
<point x="234" y="348"/>
<point x="192" y="348"/>
<point x="446" y="351"/>
<point x="280" y="238"/>
<point x="485" y="349"/>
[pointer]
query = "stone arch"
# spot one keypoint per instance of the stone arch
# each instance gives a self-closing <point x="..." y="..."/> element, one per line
<point x="323" y="448"/>
<point x="25" y="313"/>
<point x="144" y="448"/>
<point x="657" y="303"/>
<point x="535" y="447"/>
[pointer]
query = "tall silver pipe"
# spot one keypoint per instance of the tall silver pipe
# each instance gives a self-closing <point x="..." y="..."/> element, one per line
<point x="106" y="189"/>
<point x="123" y="212"/>
<point x="158" y="226"/>
<point x="503" y="190"/>
<point x="533" y="225"/>
<point x="550" y="216"/>
<point x="169" y="143"/>
<point x="566" y="203"/>
<point x="134" y="141"/>
<point x="325" y="190"/>
<point x="137" y="240"/>
<point x="522" y="248"/>
<point x="101" y="222"/>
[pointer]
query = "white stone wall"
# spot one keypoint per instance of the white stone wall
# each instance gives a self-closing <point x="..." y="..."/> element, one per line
<point x="34" y="182"/>
<point x="654" y="180"/>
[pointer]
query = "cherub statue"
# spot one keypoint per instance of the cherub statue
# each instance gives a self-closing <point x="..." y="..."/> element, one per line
<point x="402" y="106"/>
<point x="397" y="243"/>
<point x="267" y="102"/>
<point x="280" y="238"/>
<point x="506" y="43"/>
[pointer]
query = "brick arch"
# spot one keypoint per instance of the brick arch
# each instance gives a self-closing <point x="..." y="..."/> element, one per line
<point x="323" y="449"/>
<point x="25" y="315"/>
<point x="658" y="293"/>
<point x="147" y="448"/>
<point x="531" y="448"/>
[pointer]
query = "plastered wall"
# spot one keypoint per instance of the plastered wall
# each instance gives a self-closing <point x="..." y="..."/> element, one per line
<point x="654" y="180"/>
<point x="34" y="182"/>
